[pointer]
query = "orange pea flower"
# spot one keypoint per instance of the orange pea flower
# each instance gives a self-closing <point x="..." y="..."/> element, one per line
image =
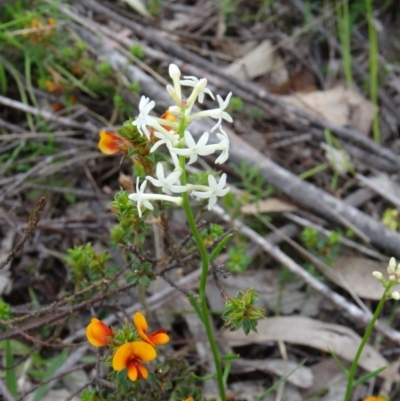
<point x="375" y="399"/>
<point x="169" y="117"/>
<point x="98" y="333"/>
<point x="111" y="143"/>
<point x="155" y="338"/>
<point x="130" y="355"/>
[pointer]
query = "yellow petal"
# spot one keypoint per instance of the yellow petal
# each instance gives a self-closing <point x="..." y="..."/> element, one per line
<point x="140" y="322"/>
<point x="142" y="351"/>
<point x="122" y="357"/>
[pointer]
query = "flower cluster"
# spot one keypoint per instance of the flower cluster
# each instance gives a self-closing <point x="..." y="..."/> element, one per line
<point x="128" y="354"/>
<point x="393" y="271"/>
<point x="171" y="131"/>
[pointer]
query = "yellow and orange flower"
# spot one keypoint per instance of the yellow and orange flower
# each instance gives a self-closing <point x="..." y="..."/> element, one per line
<point x="375" y="399"/>
<point x="111" y="143"/>
<point x="131" y="355"/>
<point x="98" y="333"/>
<point x="155" y="338"/>
<point x="169" y="117"/>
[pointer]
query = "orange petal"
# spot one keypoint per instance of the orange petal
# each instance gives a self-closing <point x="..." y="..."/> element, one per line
<point x="159" y="337"/>
<point x="143" y="371"/>
<point x="140" y="323"/>
<point x="169" y="117"/>
<point x="97" y="333"/>
<point x="132" y="370"/>
<point x="142" y="351"/>
<point x="122" y="357"/>
<point x="108" y="143"/>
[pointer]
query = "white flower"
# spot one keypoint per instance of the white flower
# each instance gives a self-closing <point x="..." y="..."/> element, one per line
<point x="143" y="120"/>
<point x="195" y="149"/>
<point x="223" y="145"/>
<point x="337" y="158"/>
<point x="214" y="190"/>
<point x="167" y="183"/>
<point x="219" y="113"/>
<point x="166" y="138"/>
<point x="141" y="198"/>
<point x="193" y="81"/>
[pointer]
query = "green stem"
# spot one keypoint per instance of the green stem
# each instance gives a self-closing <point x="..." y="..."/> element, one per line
<point x="373" y="69"/>
<point x="205" y="313"/>
<point x="364" y="340"/>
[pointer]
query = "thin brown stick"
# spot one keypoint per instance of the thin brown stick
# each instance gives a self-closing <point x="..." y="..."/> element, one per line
<point x="34" y="218"/>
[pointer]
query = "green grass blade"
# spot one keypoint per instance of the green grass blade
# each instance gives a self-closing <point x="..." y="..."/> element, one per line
<point x="373" y="69"/>
<point x="50" y="372"/>
<point x="11" y="380"/>
<point x="24" y="98"/>
<point x="74" y="80"/>
<point x="3" y="79"/>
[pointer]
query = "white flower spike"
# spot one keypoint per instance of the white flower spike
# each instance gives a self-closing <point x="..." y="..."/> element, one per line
<point x="214" y="190"/>
<point x="180" y="143"/>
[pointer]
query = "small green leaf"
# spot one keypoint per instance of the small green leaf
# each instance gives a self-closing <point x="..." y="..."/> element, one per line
<point x="144" y="281"/>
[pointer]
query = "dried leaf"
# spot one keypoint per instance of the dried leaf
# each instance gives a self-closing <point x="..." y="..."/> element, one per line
<point x="259" y="61"/>
<point x="139" y="7"/>
<point x="356" y="273"/>
<point x="300" y="330"/>
<point x="302" y="376"/>
<point x="270" y="205"/>
<point x="340" y="105"/>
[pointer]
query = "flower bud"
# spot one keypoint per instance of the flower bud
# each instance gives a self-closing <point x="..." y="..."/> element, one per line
<point x="98" y="333"/>
<point x="395" y="295"/>
<point x="392" y="266"/>
<point x="377" y="275"/>
<point x="174" y="72"/>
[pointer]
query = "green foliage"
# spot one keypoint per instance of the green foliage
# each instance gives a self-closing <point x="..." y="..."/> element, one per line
<point x="238" y="259"/>
<point x="131" y="228"/>
<point x="5" y="310"/>
<point x="241" y="312"/>
<point x="86" y="265"/>
<point x="137" y="51"/>
<point x="252" y="181"/>
<point x="391" y="219"/>
<point x="327" y="247"/>
<point x="236" y="105"/>
<point x="142" y="274"/>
